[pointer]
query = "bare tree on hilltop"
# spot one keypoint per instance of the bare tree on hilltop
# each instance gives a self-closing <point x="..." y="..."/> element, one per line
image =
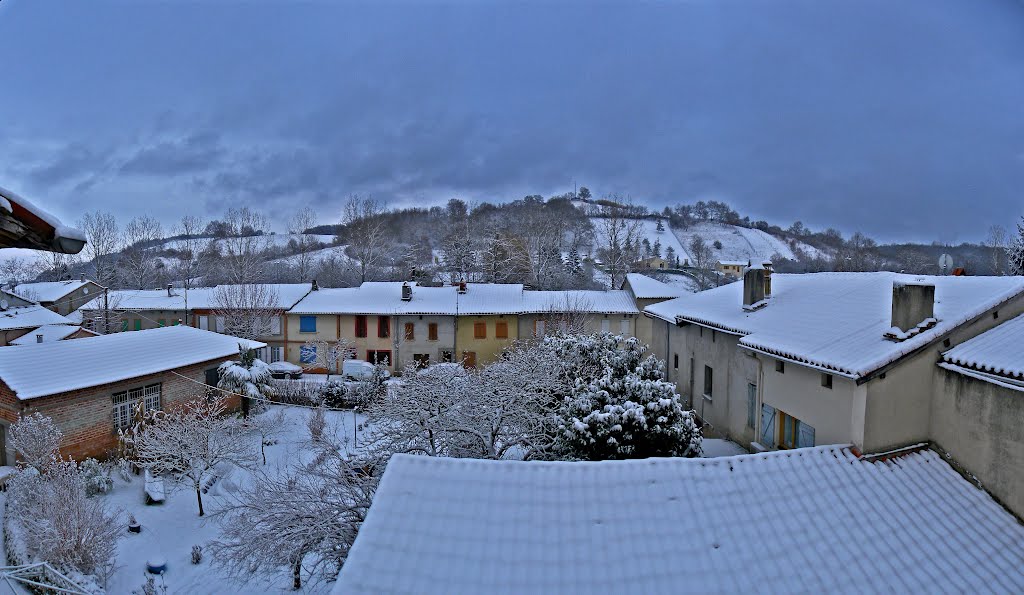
<point x="367" y="235"/>
<point x="104" y="237"/>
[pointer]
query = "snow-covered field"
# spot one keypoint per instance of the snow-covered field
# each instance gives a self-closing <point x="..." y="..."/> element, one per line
<point x="317" y="256"/>
<point x="740" y="243"/>
<point x="171" y="529"/>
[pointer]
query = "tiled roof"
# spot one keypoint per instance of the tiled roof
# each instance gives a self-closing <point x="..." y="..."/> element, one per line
<point x="50" y="332"/>
<point x="29" y="317"/>
<point x="646" y="288"/>
<point x="110" y="358"/>
<point x="378" y="298"/>
<point x="201" y="298"/>
<point x="488" y="298"/>
<point x="836" y="321"/>
<point x="48" y="291"/>
<point x="602" y="302"/>
<point x="998" y="351"/>
<point x="814" y="520"/>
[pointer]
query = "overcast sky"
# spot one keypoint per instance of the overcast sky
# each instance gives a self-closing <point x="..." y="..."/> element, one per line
<point x="904" y="119"/>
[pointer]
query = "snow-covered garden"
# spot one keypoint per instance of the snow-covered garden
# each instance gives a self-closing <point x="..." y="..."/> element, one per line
<point x="271" y="502"/>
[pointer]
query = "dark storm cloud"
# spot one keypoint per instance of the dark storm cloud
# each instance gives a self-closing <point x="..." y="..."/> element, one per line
<point x="902" y="119"/>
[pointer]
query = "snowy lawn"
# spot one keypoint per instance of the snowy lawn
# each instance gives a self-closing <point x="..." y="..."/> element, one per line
<point x="170" y="530"/>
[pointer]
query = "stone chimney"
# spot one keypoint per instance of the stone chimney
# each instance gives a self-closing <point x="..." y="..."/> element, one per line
<point x="82" y="277"/>
<point x="169" y="294"/>
<point x="406" y="292"/>
<point x="315" y="286"/>
<point x="913" y="302"/>
<point x="39" y="338"/>
<point x="753" y="287"/>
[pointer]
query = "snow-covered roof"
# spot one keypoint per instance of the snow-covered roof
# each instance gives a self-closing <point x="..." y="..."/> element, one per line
<point x="817" y="519"/>
<point x="602" y="302"/>
<point x="735" y="263"/>
<point x="199" y="298"/>
<point x="29" y="317"/>
<point x="836" y="321"/>
<point x="378" y="298"/>
<point x="997" y="351"/>
<point x="646" y="288"/>
<point x="61" y="238"/>
<point x="50" y="332"/>
<point x="480" y="298"/>
<point x="110" y="358"/>
<point x="48" y="291"/>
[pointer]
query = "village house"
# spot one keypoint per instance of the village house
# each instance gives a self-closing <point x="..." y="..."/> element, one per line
<point x="651" y="263"/>
<point x="977" y="409"/>
<point x="63" y="297"/>
<point x="836" y="522"/>
<point x="544" y="312"/>
<point x="732" y="268"/>
<point x="53" y="332"/>
<point x="647" y="291"/>
<point x="487" y="321"/>
<point x="787" y="361"/>
<point x="20" y="317"/>
<point x="206" y="308"/>
<point x="394" y="324"/>
<point x="102" y="378"/>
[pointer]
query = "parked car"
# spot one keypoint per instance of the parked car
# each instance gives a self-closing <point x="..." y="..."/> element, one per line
<point x="285" y="370"/>
<point x="357" y="369"/>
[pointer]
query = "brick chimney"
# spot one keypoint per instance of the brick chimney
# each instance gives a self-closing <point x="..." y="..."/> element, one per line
<point x="767" y="278"/>
<point x="169" y="294"/>
<point x="462" y="287"/>
<point x="406" y="292"/>
<point x="913" y="302"/>
<point x="753" y="287"/>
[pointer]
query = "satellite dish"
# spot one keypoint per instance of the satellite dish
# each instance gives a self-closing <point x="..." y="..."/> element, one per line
<point x="4" y="305"/>
<point x="945" y="263"/>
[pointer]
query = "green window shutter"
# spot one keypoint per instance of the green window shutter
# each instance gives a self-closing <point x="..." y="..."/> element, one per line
<point x="124" y="325"/>
<point x="161" y="322"/>
<point x="138" y="324"/>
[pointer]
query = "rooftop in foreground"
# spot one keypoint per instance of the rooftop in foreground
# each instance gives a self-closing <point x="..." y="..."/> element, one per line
<point x="818" y="519"/>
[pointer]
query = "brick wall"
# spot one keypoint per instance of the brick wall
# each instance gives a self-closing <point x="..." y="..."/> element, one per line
<point x="87" y="416"/>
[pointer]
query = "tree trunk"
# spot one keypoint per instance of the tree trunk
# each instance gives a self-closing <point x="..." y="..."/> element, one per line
<point x="199" y="497"/>
<point x="297" y="575"/>
<point x="263" y="451"/>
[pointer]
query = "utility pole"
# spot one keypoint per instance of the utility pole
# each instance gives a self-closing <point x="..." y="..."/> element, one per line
<point x="106" y="311"/>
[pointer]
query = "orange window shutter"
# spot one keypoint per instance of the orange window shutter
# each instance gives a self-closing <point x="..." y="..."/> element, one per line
<point x="480" y="330"/>
<point x="410" y="331"/>
<point x="501" y="330"/>
<point x="432" y="333"/>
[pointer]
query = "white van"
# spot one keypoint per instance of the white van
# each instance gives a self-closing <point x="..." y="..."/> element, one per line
<point x="357" y="369"/>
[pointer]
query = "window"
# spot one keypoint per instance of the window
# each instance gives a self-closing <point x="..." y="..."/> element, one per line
<point x="780" y="366"/>
<point x="624" y="326"/>
<point x="606" y="326"/>
<point x="675" y="361"/>
<point x="307" y="324"/>
<point x="501" y="329"/>
<point x="275" y="325"/>
<point x="708" y="382"/>
<point x="124" y="325"/>
<point x="125" y="403"/>
<point x="307" y="354"/>
<point x="479" y="330"/>
<point x="793" y="433"/>
<point x="432" y="331"/>
<point x="276" y="354"/>
<point x="161" y="322"/>
<point x="380" y="356"/>
<point x="410" y="331"/>
<point x="421" y="360"/>
<point x="138" y="324"/>
<point x="204" y="323"/>
<point x="751" y="405"/>
<point x="826" y="380"/>
<point x="538" y="328"/>
<point x="220" y="324"/>
<point x="383" y="327"/>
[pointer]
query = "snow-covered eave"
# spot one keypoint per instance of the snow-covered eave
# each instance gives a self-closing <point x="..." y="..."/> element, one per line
<point x="40" y="230"/>
<point x="800" y="361"/>
<point x="370" y="312"/>
<point x="26" y="395"/>
<point x="711" y="325"/>
<point x="1014" y="384"/>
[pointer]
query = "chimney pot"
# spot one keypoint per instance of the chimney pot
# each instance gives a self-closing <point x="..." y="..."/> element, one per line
<point x="169" y="294"/>
<point x="39" y="338"/>
<point x="315" y="286"/>
<point x="462" y="287"/>
<point x="406" y="292"/>
<point x="912" y="304"/>
<point x="753" y="287"/>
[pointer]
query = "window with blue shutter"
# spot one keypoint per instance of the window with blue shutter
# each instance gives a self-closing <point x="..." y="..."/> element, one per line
<point x="307" y="324"/>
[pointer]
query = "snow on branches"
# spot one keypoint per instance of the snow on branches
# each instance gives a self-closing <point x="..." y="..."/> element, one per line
<point x="1015" y="251"/>
<point x="191" y="444"/>
<point x="619" y="405"/>
<point x="249" y="376"/>
<point x="36" y="439"/>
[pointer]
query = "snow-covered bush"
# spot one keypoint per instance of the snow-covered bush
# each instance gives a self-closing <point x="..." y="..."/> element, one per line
<point x="197" y="554"/>
<point x="150" y="586"/>
<point x="36" y="439"/>
<point x="190" y="443"/>
<point x="334" y="394"/>
<point x="96" y="477"/>
<point x="1015" y="251"/>
<point x="52" y="519"/>
<point x="124" y="469"/>
<point x="268" y="427"/>
<point x="305" y="519"/>
<point x="619" y="405"/>
<point x="249" y="376"/>
<point x="317" y="424"/>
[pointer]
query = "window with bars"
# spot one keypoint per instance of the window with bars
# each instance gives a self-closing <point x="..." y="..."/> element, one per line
<point x="126" y="401"/>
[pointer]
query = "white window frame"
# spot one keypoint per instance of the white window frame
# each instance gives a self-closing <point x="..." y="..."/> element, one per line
<point x="624" y="327"/>
<point x="606" y="325"/>
<point x="276" y="354"/>
<point x="219" y="320"/>
<point x="275" y="325"/>
<point x="124" y="403"/>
